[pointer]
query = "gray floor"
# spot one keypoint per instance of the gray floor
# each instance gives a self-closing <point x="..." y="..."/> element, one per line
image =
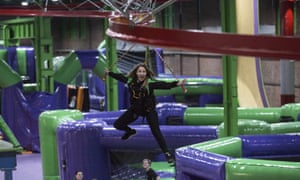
<point x="29" y="167"/>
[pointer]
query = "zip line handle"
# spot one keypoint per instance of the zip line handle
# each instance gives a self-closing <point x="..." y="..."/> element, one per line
<point x="182" y="86"/>
<point x="105" y="74"/>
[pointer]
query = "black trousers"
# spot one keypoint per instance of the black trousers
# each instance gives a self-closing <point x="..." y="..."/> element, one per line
<point x="130" y="116"/>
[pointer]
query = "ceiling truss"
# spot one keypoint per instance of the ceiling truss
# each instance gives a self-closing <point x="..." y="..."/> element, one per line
<point x="85" y="8"/>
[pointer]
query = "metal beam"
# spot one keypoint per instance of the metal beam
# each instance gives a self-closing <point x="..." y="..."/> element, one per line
<point x="56" y="13"/>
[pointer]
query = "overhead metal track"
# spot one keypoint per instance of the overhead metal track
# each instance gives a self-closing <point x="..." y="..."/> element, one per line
<point x="85" y="8"/>
<point x="59" y="8"/>
<point x="56" y="13"/>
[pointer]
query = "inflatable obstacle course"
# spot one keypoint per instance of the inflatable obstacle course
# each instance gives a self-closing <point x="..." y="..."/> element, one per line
<point x="245" y="157"/>
<point x="8" y="150"/>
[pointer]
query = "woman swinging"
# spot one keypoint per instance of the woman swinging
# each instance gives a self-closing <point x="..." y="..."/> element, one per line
<point x="143" y="103"/>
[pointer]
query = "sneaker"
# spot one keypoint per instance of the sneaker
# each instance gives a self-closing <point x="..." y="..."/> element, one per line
<point x="170" y="159"/>
<point x="128" y="134"/>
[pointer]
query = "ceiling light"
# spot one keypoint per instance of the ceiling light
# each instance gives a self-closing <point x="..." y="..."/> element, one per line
<point x="24" y="3"/>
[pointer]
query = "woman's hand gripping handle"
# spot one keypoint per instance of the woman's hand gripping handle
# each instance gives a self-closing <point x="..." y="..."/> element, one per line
<point x="181" y="84"/>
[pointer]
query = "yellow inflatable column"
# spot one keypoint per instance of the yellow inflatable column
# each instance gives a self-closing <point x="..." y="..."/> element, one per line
<point x="249" y="93"/>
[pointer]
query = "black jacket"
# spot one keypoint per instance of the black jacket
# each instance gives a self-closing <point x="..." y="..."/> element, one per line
<point x="151" y="174"/>
<point x="142" y="98"/>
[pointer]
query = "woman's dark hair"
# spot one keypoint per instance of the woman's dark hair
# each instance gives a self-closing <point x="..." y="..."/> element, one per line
<point x="77" y="172"/>
<point x="132" y="73"/>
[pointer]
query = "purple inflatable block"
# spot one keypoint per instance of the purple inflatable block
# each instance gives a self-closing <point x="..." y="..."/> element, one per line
<point x="164" y="110"/>
<point x="79" y="149"/>
<point x="86" y="144"/>
<point x="110" y="117"/>
<point x="176" y="136"/>
<point x="21" y="111"/>
<point x="269" y="146"/>
<point x="194" y="164"/>
<point x="88" y="58"/>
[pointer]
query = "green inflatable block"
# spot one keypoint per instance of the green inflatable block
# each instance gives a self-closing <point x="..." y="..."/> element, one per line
<point x="253" y="169"/>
